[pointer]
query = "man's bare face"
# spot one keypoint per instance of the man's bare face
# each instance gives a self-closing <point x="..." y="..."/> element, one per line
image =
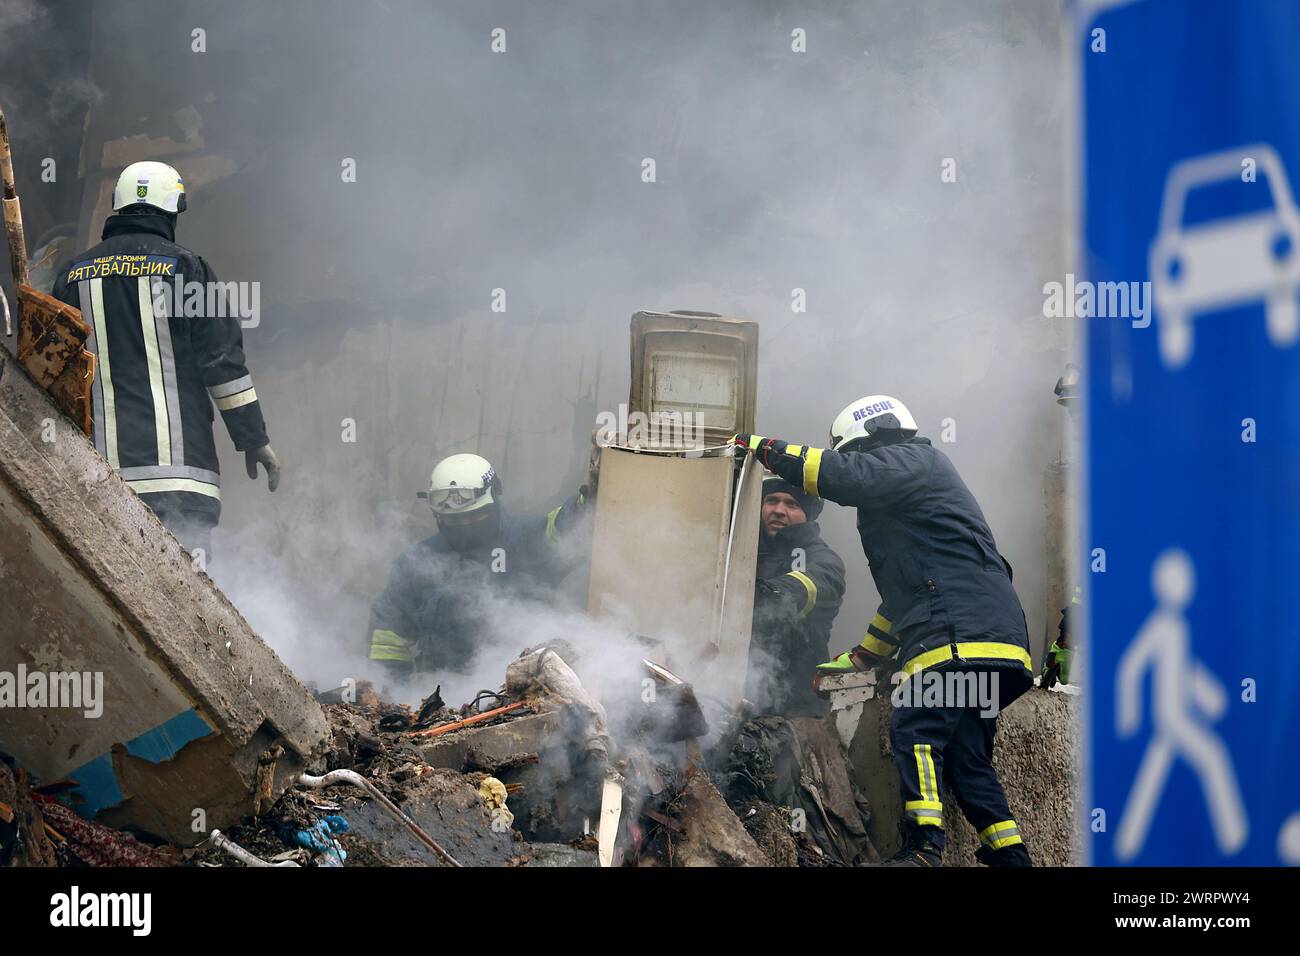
<point x="780" y="510"/>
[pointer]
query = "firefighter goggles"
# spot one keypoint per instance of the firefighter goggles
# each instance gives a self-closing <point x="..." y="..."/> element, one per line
<point x="444" y="500"/>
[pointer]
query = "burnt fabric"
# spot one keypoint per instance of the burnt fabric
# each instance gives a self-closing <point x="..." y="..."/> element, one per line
<point x="801" y="766"/>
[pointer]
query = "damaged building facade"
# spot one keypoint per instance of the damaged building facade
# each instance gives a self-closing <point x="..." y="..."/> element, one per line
<point x="406" y="311"/>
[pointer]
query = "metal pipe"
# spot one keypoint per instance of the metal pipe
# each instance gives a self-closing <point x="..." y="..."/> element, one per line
<point x="356" y="780"/>
<point x="469" y="721"/>
<point x="223" y="842"/>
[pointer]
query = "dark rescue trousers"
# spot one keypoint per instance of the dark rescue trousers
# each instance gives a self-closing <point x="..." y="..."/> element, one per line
<point x="949" y="739"/>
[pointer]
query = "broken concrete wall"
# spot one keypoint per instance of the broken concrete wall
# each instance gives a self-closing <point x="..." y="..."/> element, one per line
<point x="194" y="711"/>
<point x="1036" y="757"/>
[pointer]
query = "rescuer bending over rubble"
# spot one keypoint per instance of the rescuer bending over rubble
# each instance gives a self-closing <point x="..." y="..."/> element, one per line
<point x="797" y="595"/>
<point x="948" y="606"/>
<point x="429" y="616"/>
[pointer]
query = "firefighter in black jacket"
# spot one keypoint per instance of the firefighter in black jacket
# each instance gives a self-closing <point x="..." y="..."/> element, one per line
<point x="435" y="607"/>
<point x="799" y="588"/>
<point x="948" y="610"/>
<point x="163" y="359"/>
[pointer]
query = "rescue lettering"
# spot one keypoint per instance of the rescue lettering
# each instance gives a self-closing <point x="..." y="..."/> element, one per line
<point x="122" y="265"/>
<point x="871" y="410"/>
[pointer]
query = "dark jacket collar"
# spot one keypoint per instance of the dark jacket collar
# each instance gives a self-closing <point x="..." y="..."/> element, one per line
<point x="158" y="224"/>
<point x="792" y="536"/>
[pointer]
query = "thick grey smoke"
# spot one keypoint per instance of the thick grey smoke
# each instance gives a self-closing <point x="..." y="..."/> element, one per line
<point x="522" y="171"/>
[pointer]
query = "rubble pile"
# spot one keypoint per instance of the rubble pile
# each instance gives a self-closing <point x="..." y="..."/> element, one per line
<point x="528" y="775"/>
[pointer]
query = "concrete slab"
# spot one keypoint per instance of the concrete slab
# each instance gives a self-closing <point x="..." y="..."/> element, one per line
<point x="532" y="733"/>
<point x="196" y="712"/>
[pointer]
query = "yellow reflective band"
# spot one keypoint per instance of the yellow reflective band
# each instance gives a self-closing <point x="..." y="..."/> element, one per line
<point x="934" y="777"/>
<point x="755" y="441"/>
<point x="811" y="466"/>
<point x="387" y="638"/>
<point x="1001" y="835"/>
<point x="105" y="371"/>
<point x="388" y="646"/>
<point x="161" y="423"/>
<point x="877" y="646"/>
<point x="810" y="587"/>
<point x="150" y="486"/>
<point x="552" y="534"/>
<point x="929" y="785"/>
<point x="969" y="651"/>
<point x="246" y="397"/>
<point x="920" y="770"/>
<point x="924" y="812"/>
<point x="794" y="451"/>
<point x="880" y="623"/>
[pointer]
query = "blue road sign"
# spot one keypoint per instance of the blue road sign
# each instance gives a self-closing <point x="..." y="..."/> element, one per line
<point x="1191" y="142"/>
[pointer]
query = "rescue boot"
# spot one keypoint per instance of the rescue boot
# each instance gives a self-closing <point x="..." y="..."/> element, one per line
<point x="1015" y="855"/>
<point x="918" y="850"/>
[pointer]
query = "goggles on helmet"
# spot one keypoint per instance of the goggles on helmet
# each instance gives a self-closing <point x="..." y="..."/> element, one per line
<point x="446" y="500"/>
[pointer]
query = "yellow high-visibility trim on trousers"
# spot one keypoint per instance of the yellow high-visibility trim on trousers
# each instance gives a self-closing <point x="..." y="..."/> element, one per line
<point x="389" y="646"/>
<point x="1001" y="835"/>
<point x="968" y="651"/>
<point x="810" y="587"/>
<point x="926" y="813"/>
<point x="928" y="784"/>
<point x="811" y="466"/>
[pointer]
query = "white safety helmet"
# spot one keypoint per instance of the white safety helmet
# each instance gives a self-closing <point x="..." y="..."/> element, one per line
<point x="462" y="484"/>
<point x="876" y="416"/>
<point x="154" y="184"/>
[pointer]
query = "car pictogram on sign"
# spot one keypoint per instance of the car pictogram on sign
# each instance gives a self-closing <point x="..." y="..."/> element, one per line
<point x="1227" y="261"/>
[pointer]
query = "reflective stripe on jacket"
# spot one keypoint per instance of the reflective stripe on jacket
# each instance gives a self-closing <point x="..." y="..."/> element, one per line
<point x="799" y="589"/>
<point x="163" y="361"/>
<point x="933" y="558"/>
<point x="438" y="604"/>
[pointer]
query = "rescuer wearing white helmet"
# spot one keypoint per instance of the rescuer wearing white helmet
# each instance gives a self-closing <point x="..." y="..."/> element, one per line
<point x="464" y="493"/>
<point x="947" y="606"/>
<point x="161" y="368"/>
<point x="429" y="616"/>
<point x="871" y="421"/>
<point x="150" y="184"/>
